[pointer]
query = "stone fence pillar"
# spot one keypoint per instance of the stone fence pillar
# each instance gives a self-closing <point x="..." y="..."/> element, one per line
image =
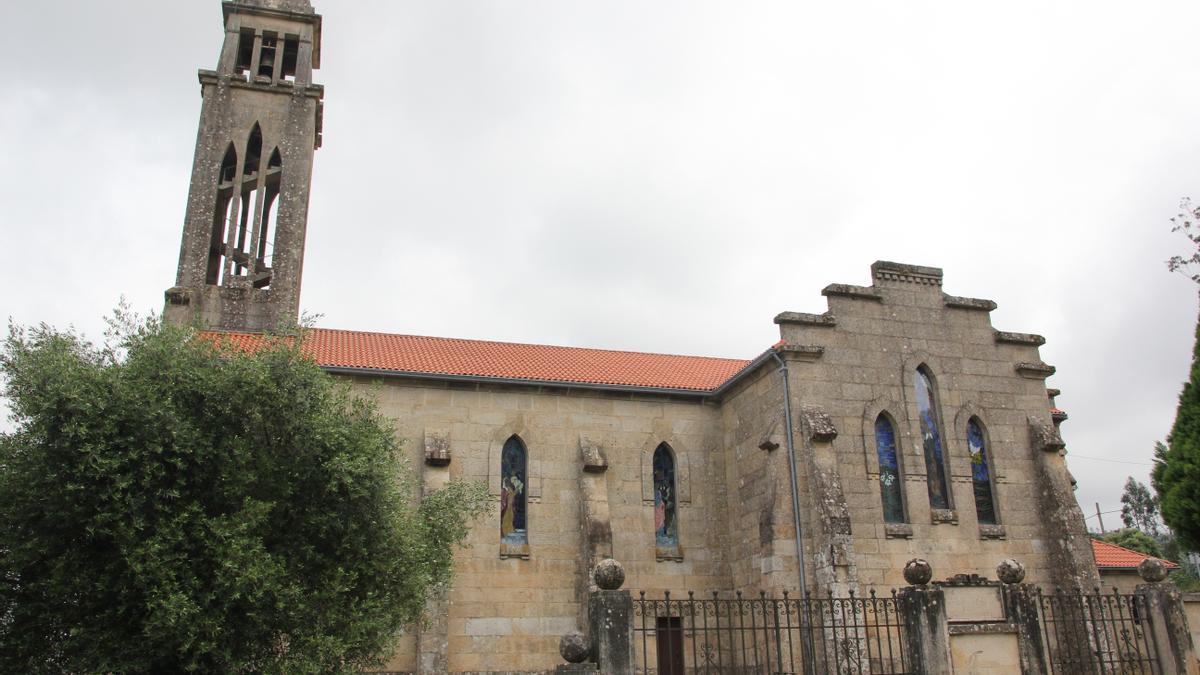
<point x="1021" y="609"/>
<point x="1168" y="620"/>
<point x="924" y="607"/>
<point x="609" y="645"/>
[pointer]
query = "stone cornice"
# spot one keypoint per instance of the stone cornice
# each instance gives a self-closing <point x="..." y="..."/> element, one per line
<point x="977" y="304"/>
<point x="857" y="292"/>
<point x="884" y="270"/>
<point x="826" y="320"/>
<point x="1020" y="338"/>
<point x="1034" y="370"/>
<point x="212" y="77"/>
<point x="802" y="352"/>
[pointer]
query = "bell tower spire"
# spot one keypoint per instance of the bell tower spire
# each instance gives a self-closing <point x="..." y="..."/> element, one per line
<point x="242" y="253"/>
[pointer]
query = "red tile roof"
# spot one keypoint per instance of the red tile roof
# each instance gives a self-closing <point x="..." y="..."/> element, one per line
<point x="507" y="360"/>
<point x="1113" y="557"/>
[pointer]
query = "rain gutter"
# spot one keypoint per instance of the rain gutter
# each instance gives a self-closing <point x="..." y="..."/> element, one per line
<point x="791" y="450"/>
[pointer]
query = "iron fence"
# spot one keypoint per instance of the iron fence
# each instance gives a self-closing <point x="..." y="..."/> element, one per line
<point x="770" y="636"/>
<point x="1096" y="633"/>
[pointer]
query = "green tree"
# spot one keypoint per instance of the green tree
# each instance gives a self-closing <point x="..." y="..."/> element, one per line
<point x="172" y="504"/>
<point x="1139" y="508"/>
<point x="1136" y="540"/>
<point x="1176" y="474"/>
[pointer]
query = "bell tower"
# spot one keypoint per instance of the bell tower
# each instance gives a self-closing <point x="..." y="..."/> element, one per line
<point x="242" y="253"/>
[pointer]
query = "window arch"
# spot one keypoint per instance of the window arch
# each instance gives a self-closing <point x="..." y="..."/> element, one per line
<point x="666" y="505"/>
<point x="981" y="473"/>
<point x="931" y="435"/>
<point x="514" y="480"/>
<point x="891" y="489"/>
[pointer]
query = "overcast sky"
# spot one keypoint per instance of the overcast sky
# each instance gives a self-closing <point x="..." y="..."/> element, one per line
<point x="656" y="176"/>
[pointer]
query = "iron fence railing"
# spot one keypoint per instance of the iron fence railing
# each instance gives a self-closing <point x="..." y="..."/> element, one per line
<point x="1097" y="633"/>
<point x="772" y="636"/>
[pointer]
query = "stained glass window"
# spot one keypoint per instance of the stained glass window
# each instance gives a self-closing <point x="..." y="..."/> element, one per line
<point x="666" y="528"/>
<point x="513" y="480"/>
<point x="931" y="435"/>
<point x="889" y="470"/>
<point x="981" y="474"/>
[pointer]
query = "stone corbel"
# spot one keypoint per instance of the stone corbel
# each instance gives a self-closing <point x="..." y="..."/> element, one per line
<point x="817" y="424"/>
<point x="179" y="296"/>
<point x="594" y="460"/>
<point x="769" y="442"/>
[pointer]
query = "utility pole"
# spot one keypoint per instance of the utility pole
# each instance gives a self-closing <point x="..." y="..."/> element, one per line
<point x="1100" y="518"/>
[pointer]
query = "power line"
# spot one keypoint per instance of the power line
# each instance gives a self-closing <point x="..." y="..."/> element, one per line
<point x="1102" y="513"/>
<point x="1103" y="459"/>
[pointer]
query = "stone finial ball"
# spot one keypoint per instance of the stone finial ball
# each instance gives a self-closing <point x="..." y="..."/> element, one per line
<point x="1152" y="570"/>
<point x="574" y="647"/>
<point x="918" y="572"/>
<point x="1010" y="571"/>
<point x="609" y="575"/>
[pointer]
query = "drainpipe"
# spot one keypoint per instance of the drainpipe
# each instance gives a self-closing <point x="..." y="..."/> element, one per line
<point x="791" y="450"/>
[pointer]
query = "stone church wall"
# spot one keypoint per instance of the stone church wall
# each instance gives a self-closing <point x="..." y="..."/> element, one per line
<point x="508" y="613"/>
<point x="591" y="493"/>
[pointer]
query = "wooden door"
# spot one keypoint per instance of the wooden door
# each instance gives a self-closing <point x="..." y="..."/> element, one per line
<point x="669" y="639"/>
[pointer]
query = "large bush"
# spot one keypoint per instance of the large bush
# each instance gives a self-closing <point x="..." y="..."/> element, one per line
<point x="172" y="504"/>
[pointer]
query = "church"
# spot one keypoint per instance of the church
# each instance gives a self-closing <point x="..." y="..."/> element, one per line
<point x="898" y="423"/>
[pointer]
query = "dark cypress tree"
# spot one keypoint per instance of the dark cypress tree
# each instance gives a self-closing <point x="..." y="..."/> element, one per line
<point x="1176" y="475"/>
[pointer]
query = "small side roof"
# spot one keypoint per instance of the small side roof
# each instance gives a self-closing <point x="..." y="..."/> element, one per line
<point x="1112" y="557"/>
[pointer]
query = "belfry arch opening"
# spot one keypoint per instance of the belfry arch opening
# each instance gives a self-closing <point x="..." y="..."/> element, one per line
<point x="246" y="210"/>
<point x="265" y="242"/>
<point x="222" y="214"/>
<point x="240" y="246"/>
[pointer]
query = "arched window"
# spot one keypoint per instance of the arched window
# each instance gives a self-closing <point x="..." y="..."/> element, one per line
<point x="666" y="527"/>
<point x="890" y="487"/>
<point x="931" y="435"/>
<point x="514" y="480"/>
<point x="981" y="473"/>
